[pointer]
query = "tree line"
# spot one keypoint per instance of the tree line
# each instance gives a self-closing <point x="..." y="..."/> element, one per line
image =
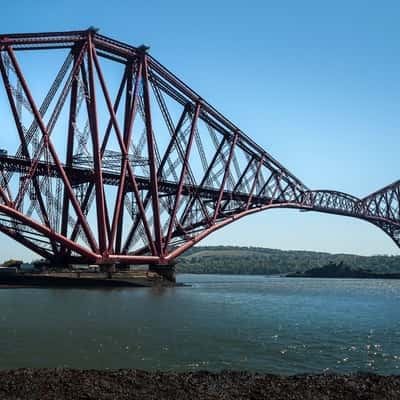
<point x="256" y="260"/>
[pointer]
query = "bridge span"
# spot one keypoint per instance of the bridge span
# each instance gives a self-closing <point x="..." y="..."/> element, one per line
<point x="111" y="158"/>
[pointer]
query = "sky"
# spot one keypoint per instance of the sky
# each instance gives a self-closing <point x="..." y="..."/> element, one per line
<point x="317" y="84"/>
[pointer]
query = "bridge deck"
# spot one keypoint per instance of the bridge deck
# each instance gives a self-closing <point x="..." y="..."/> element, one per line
<point x="79" y="175"/>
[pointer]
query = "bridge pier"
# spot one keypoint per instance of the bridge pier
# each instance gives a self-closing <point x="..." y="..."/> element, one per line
<point x="167" y="272"/>
<point x="109" y="269"/>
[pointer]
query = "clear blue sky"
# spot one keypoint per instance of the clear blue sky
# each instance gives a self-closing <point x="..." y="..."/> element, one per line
<point x="317" y="84"/>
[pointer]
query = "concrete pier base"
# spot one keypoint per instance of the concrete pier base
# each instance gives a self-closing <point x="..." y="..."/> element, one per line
<point x="166" y="271"/>
<point x="109" y="269"/>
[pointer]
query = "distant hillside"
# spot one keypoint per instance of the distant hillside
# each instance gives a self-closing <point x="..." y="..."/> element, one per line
<point x="256" y="260"/>
<point x="342" y="270"/>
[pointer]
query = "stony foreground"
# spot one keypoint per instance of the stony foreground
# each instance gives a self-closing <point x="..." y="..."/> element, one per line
<point x="134" y="384"/>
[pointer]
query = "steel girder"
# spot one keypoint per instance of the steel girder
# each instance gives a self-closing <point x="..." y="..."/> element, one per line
<point x="112" y="158"/>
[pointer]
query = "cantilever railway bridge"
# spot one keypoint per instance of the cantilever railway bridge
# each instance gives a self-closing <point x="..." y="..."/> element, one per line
<point x="113" y="159"/>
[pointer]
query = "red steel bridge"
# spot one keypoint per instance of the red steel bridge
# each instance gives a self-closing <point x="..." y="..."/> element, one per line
<point x="112" y="159"/>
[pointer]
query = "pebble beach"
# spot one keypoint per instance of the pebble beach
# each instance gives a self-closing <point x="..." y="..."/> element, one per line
<point x="136" y="384"/>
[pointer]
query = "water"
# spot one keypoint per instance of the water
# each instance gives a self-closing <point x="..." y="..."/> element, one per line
<point x="256" y="323"/>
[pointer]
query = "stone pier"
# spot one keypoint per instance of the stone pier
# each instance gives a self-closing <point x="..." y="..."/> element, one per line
<point x="166" y="271"/>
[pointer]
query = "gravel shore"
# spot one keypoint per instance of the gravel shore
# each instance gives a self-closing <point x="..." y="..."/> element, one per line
<point x="135" y="384"/>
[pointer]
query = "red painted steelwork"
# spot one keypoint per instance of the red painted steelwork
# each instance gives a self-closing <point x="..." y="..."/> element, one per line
<point x="94" y="181"/>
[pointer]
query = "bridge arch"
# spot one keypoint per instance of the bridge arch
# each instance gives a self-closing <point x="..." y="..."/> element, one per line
<point x="312" y="203"/>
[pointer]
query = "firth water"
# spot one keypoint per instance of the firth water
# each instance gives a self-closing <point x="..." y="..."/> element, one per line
<point x="257" y="323"/>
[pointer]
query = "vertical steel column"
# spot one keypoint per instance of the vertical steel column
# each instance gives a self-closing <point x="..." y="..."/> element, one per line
<point x="117" y="218"/>
<point x="123" y="148"/>
<point x="118" y="213"/>
<point x="152" y="158"/>
<point x="94" y="129"/>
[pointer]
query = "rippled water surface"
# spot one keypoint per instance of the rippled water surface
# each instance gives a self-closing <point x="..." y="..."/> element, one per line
<point x="269" y="324"/>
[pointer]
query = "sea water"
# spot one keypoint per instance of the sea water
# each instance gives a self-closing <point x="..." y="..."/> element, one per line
<point x="256" y="323"/>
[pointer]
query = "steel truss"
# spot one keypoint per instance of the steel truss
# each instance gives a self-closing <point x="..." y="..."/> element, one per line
<point x="120" y="161"/>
